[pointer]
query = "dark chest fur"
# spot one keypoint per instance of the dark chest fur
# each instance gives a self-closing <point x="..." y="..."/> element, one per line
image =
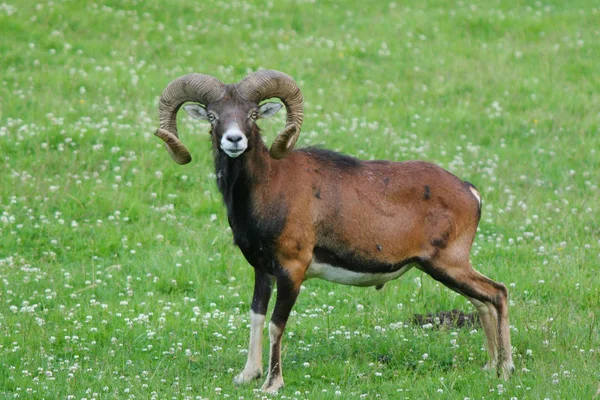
<point x="254" y="234"/>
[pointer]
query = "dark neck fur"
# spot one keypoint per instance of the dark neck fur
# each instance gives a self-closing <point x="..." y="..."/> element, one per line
<point x="237" y="178"/>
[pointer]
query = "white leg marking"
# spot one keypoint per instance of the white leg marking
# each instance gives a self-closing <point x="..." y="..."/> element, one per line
<point x="507" y="366"/>
<point x="253" y="368"/>
<point x="274" y="381"/>
<point x="490" y="328"/>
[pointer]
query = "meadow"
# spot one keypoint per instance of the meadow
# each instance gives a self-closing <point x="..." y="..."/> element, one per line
<point x="119" y="277"/>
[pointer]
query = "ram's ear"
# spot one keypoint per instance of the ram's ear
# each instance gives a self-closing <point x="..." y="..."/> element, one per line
<point x="268" y="109"/>
<point x="196" y="111"/>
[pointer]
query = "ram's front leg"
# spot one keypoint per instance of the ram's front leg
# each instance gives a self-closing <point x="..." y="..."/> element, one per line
<point x="258" y="310"/>
<point x="288" y="287"/>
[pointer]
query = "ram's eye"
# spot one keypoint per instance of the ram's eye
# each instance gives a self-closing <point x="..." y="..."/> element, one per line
<point x="211" y="118"/>
<point x="254" y="115"/>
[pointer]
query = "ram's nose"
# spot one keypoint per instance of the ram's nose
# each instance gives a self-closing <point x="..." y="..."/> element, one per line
<point x="234" y="137"/>
<point x="234" y="143"/>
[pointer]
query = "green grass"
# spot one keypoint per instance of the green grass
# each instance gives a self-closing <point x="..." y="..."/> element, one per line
<point x="119" y="278"/>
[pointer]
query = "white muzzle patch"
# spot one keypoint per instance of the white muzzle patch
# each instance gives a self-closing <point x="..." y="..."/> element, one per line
<point x="234" y="142"/>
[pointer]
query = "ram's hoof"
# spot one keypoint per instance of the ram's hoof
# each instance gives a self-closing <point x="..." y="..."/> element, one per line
<point x="246" y="376"/>
<point x="272" y="384"/>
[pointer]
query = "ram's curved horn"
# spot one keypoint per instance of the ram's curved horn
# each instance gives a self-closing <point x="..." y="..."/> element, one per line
<point x="265" y="84"/>
<point x="203" y="89"/>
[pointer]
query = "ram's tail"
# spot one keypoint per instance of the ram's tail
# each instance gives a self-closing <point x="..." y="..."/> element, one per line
<point x="477" y="195"/>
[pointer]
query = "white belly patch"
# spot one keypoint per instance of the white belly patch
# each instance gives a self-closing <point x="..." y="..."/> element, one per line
<point x="346" y="277"/>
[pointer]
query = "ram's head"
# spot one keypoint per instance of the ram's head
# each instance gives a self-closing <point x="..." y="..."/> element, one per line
<point x="232" y="111"/>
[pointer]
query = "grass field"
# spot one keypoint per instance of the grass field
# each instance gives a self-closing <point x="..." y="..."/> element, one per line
<point x="119" y="278"/>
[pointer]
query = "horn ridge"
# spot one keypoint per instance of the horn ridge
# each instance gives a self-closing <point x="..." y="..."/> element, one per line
<point x="265" y="84"/>
<point x="194" y="87"/>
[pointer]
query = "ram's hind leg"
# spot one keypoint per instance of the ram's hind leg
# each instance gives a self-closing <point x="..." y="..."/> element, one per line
<point x="491" y="300"/>
<point x="260" y="302"/>
<point x="489" y="320"/>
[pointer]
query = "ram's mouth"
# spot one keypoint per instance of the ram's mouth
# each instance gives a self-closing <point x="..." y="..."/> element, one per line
<point x="234" y="153"/>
